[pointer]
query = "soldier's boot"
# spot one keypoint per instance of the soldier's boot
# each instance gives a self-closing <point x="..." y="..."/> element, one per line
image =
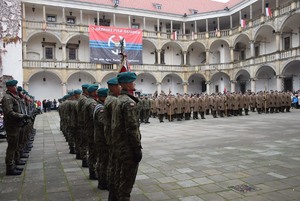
<point x="202" y="115"/>
<point x="241" y="112"/>
<point x="23" y="155"/>
<point x="93" y="175"/>
<point x="102" y="185"/>
<point x="20" y="162"/>
<point x="112" y="196"/>
<point x="288" y="109"/>
<point x="85" y="163"/>
<point x="78" y="157"/>
<point x="12" y="171"/>
<point x="221" y="114"/>
<point x="246" y="111"/>
<point x="72" y="150"/>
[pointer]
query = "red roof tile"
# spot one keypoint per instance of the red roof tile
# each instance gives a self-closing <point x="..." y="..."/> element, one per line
<point x="170" y="6"/>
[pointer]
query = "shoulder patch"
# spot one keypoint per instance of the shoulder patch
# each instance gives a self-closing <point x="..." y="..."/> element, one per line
<point x="132" y="104"/>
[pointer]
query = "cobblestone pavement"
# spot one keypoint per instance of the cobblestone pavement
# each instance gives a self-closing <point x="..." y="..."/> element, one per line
<point x="191" y="160"/>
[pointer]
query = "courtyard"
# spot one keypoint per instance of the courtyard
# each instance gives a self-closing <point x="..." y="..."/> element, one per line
<point x="246" y="158"/>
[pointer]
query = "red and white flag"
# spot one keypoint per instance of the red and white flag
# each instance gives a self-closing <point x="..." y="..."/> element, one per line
<point x="243" y="23"/>
<point x="268" y="11"/>
<point x="125" y="65"/>
<point x="175" y="35"/>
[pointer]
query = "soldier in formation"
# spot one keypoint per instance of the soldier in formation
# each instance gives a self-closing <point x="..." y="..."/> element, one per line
<point x="110" y="133"/>
<point x="19" y="115"/>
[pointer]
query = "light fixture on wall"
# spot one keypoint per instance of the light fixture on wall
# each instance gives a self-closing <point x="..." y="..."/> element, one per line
<point x="33" y="8"/>
<point x="133" y="20"/>
<point x="222" y="45"/>
<point x="103" y="17"/>
<point x="71" y="13"/>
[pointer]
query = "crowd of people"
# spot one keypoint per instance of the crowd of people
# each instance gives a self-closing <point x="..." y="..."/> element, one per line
<point x="19" y="114"/>
<point x="101" y="127"/>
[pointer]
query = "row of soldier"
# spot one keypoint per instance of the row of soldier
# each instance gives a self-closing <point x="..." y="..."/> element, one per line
<point x="101" y="127"/>
<point x="19" y="115"/>
<point x="229" y="104"/>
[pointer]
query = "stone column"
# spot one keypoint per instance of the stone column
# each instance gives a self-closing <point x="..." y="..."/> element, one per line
<point x="158" y="29"/>
<point x="195" y="26"/>
<point x="252" y="49"/>
<point x="206" y="24"/>
<point x="279" y="83"/>
<point x="24" y="12"/>
<point x="24" y="50"/>
<point x="81" y="17"/>
<point x="253" y="85"/>
<point x="262" y="7"/>
<point x="144" y="22"/>
<point x="277" y="41"/>
<point x="184" y="58"/>
<point x="44" y="13"/>
<point x="230" y="21"/>
<point x="98" y="18"/>
<point x="158" y="56"/>
<point x="64" y="87"/>
<point x="64" y="52"/>
<point x="129" y="21"/>
<point x="185" y="87"/>
<point x="171" y="24"/>
<point x="158" y="84"/>
<point x="63" y="15"/>
<point x="232" y="85"/>
<point x="231" y="54"/>
<point x="208" y="87"/>
<point x="114" y="19"/>
<point x="218" y="23"/>
<point x="183" y="28"/>
<point x="207" y="56"/>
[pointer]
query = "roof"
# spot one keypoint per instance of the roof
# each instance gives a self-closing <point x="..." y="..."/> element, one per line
<point x="179" y="7"/>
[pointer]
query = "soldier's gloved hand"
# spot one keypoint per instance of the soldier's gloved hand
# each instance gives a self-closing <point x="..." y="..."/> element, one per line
<point x="26" y="117"/>
<point x="138" y="155"/>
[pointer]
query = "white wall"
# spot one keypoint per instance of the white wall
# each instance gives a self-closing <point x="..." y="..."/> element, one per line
<point x="148" y="58"/>
<point x="147" y="86"/>
<point x="12" y="61"/>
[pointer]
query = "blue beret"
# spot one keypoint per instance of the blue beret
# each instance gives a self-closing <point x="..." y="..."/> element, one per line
<point x="85" y="86"/>
<point x="19" y="88"/>
<point x="11" y="83"/>
<point x="102" y="92"/>
<point x="126" y="77"/>
<point x="92" y="87"/>
<point x="113" y="81"/>
<point x="77" y="91"/>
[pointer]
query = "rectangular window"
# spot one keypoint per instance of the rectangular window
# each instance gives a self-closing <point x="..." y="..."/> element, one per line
<point x="243" y="55"/>
<point x="217" y="89"/>
<point x="287" y="43"/>
<point x="256" y="51"/>
<point x="51" y="18"/>
<point x="71" y="20"/>
<point x="49" y="52"/>
<point x="72" y="53"/>
<point x="135" y="26"/>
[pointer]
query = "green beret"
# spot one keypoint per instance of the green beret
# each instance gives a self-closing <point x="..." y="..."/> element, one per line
<point x="11" y="83"/>
<point x="19" y="88"/>
<point x="85" y="86"/>
<point x="113" y="81"/>
<point x="92" y="87"/>
<point x="67" y="96"/>
<point x="126" y="77"/>
<point x="71" y="93"/>
<point x="77" y="91"/>
<point x="102" y="92"/>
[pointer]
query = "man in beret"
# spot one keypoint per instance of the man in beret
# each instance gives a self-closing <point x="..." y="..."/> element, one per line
<point x="89" y="107"/>
<point x="83" y="143"/>
<point x="14" y="119"/>
<point x="110" y="103"/>
<point x="100" y="141"/>
<point x="126" y="136"/>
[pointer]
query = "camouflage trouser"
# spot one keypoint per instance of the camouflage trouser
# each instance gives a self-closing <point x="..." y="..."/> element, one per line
<point x="111" y="169"/>
<point x="92" y="150"/>
<point x="77" y="139"/>
<point x="83" y="143"/>
<point x="127" y="171"/>
<point x="102" y="164"/>
<point x="146" y="114"/>
<point x="71" y="138"/>
<point x="12" y="138"/>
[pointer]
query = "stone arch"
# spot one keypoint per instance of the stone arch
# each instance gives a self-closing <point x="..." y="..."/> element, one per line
<point x="106" y="77"/>
<point x="146" y="83"/>
<point x="265" y="40"/>
<point x="289" y="30"/>
<point x="172" y="82"/>
<point x="219" y="51"/>
<point x="240" y="37"/>
<point x="45" y="85"/>
<point x="243" y="82"/>
<point x="286" y="20"/>
<point x="241" y="47"/>
<point x="291" y="75"/>
<point x="149" y="52"/>
<point x="171" y="53"/>
<point x="259" y="30"/>
<point x="30" y="75"/>
<point x="76" y="79"/>
<point x="265" y="78"/>
<point x="83" y="35"/>
<point x="43" y="33"/>
<point x="80" y="43"/>
<point x="196" y="54"/>
<point x="219" y="82"/>
<point x="197" y="83"/>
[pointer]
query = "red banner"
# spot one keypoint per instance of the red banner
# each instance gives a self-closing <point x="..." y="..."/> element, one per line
<point x="105" y="44"/>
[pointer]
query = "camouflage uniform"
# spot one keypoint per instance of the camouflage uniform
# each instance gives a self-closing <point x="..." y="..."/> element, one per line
<point x="146" y="109"/>
<point x="14" y="120"/>
<point x="89" y="107"/>
<point x="126" y="139"/>
<point x="101" y="146"/>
